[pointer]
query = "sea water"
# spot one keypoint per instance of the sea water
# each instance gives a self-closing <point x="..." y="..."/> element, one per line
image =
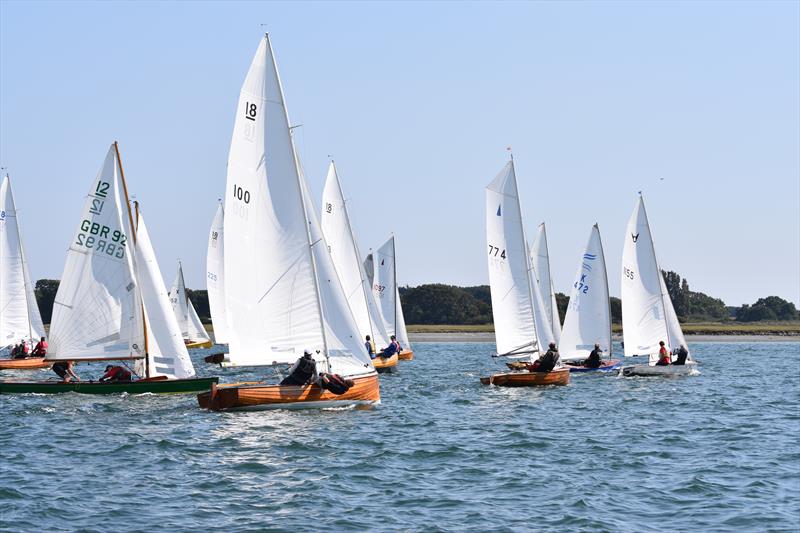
<point x="713" y="452"/>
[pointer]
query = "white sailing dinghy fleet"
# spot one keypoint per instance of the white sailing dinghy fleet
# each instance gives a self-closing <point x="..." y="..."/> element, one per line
<point x="192" y="329"/>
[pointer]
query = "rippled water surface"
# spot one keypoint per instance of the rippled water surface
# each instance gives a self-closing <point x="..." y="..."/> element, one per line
<point x="714" y="452"/>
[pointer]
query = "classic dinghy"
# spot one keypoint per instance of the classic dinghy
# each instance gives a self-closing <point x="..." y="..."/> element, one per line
<point x="588" y="319"/>
<point x="192" y="330"/>
<point x="215" y="277"/>
<point x="521" y="323"/>
<point x="282" y="293"/>
<point x="112" y="303"/>
<point x="389" y="309"/>
<point x="648" y="316"/>
<point x="19" y="313"/>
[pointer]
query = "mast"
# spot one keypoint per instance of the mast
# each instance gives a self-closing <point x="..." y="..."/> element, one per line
<point x="397" y="293"/>
<point x="608" y="296"/>
<point x="133" y="232"/>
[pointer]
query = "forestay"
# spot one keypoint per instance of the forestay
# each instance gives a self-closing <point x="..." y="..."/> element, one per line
<point x="540" y="260"/>
<point x="19" y="312"/>
<point x="273" y="298"/>
<point x="509" y="266"/>
<point x="343" y="247"/>
<point x="166" y="351"/>
<point x="588" y="318"/>
<point x="97" y="312"/>
<point x="215" y="277"/>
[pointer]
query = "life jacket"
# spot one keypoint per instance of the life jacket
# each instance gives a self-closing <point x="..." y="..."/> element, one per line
<point x="304" y="370"/>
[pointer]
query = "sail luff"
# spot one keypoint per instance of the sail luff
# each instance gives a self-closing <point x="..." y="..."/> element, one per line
<point x="215" y="277"/>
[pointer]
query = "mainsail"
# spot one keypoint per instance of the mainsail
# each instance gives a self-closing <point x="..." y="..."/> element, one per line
<point x="189" y="323"/>
<point x="215" y="277"/>
<point x="540" y="260"/>
<point x="19" y="312"/>
<point x="588" y="319"/>
<point x="343" y="247"/>
<point x="513" y="295"/>
<point x="97" y="312"/>
<point x="647" y="313"/>
<point x="282" y="293"/>
<point x="384" y="286"/>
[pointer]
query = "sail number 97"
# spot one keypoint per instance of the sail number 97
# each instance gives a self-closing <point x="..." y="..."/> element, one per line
<point x="494" y="251"/>
<point x="241" y="194"/>
<point x="628" y="273"/>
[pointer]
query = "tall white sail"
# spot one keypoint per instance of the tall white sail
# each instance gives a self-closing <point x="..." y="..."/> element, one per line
<point x="588" y="319"/>
<point x="338" y="232"/>
<point x="540" y="259"/>
<point x="215" y="277"/>
<point x="197" y="332"/>
<point x="166" y="351"/>
<point x="179" y="301"/>
<point x="509" y="267"/>
<point x="401" y="332"/>
<point x="647" y="313"/>
<point x="19" y="312"/>
<point x="282" y="293"/>
<point x="384" y="286"/>
<point x="97" y="312"/>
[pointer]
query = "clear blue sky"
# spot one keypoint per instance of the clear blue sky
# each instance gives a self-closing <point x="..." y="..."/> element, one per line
<point x="417" y="103"/>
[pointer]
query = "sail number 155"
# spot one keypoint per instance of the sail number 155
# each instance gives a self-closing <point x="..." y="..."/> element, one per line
<point x="628" y="273"/>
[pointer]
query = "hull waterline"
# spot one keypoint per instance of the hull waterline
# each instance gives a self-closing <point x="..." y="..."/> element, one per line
<point x="155" y="386"/>
<point x="406" y="355"/>
<point x="528" y="379"/>
<point x="29" y="363"/>
<point x="658" y="371"/>
<point x="385" y="364"/>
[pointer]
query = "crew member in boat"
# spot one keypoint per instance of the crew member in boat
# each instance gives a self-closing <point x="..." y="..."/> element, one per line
<point x="594" y="358"/>
<point x="116" y="374"/>
<point x="20" y="351"/>
<point x="40" y="350"/>
<point x="304" y="371"/>
<point x="370" y="346"/>
<point x="682" y="354"/>
<point x="393" y="348"/>
<point x="663" y="355"/>
<point x="546" y="361"/>
<point x="64" y="370"/>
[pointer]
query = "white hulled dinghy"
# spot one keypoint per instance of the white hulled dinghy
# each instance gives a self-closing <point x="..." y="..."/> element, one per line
<point x="19" y="313"/>
<point x="648" y="316"/>
<point x="588" y="319"/>
<point x="111" y="303"/>
<point x="521" y="326"/>
<point x="283" y="296"/>
<point x="192" y="330"/>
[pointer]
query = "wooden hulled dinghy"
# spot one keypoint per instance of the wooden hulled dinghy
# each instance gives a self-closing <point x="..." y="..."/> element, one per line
<point x="607" y="365"/>
<point x="558" y="376"/>
<point x="29" y="363"/>
<point x="192" y="330"/>
<point x="406" y="355"/>
<point x="256" y="396"/>
<point x="386" y="364"/>
<point x="199" y="344"/>
<point x="648" y="316"/>
<point x="141" y="386"/>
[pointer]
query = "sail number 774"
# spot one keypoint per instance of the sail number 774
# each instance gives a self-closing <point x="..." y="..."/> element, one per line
<point x="494" y="251"/>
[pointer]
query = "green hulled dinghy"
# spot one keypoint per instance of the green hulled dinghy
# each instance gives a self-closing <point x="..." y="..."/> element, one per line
<point x="155" y="386"/>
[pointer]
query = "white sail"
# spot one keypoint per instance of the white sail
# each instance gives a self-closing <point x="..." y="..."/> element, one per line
<point x="282" y="293"/>
<point x="588" y="319"/>
<point x="197" y="332"/>
<point x="97" y="312"/>
<point x="401" y="332"/>
<point x="647" y="313"/>
<point x="343" y="247"/>
<point x="215" y="277"/>
<point x="19" y="312"/>
<point x="509" y="267"/>
<point x="384" y="287"/>
<point x="540" y="260"/>
<point x="179" y="301"/>
<point x="166" y="351"/>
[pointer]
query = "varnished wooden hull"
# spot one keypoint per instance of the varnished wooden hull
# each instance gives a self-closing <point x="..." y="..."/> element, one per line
<point x="199" y="344"/>
<point x="385" y="364"/>
<point x="559" y="376"/>
<point x="406" y="355"/>
<point x="250" y="396"/>
<point x="29" y="363"/>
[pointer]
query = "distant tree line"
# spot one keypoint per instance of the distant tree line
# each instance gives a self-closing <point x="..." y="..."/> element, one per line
<point x="437" y="304"/>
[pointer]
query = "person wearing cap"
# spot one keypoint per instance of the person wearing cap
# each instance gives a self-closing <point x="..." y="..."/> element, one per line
<point x="594" y="358"/>
<point x="304" y="372"/>
<point x="116" y="374"/>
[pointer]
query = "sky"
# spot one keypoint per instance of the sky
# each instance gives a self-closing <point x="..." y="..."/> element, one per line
<point x="696" y="104"/>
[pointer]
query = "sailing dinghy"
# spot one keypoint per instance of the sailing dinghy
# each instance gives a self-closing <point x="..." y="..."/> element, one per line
<point x="520" y="323"/>
<point x="588" y="318"/>
<point x="282" y="292"/>
<point x="19" y="312"/>
<point x="215" y="277"/>
<point x="394" y="322"/>
<point x="192" y="329"/>
<point x="648" y="316"/>
<point x="112" y="303"/>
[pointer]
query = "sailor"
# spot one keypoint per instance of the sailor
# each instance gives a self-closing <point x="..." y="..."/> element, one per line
<point x="20" y="351"/>
<point x="64" y="370"/>
<point x="594" y="358"/>
<point x="682" y="354"/>
<point x="116" y="374"/>
<point x="393" y="348"/>
<point x="547" y="361"/>
<point x="304" y="371"/>
<point x="663" y="355"/>
<point x="370" y="346"/>
<point x="40" y="350"/>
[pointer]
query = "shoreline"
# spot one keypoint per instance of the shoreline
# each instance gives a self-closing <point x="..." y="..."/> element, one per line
<point x="488" y="336"/>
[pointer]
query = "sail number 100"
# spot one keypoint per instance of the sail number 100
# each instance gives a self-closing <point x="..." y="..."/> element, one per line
<point x="241" y="194"/>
